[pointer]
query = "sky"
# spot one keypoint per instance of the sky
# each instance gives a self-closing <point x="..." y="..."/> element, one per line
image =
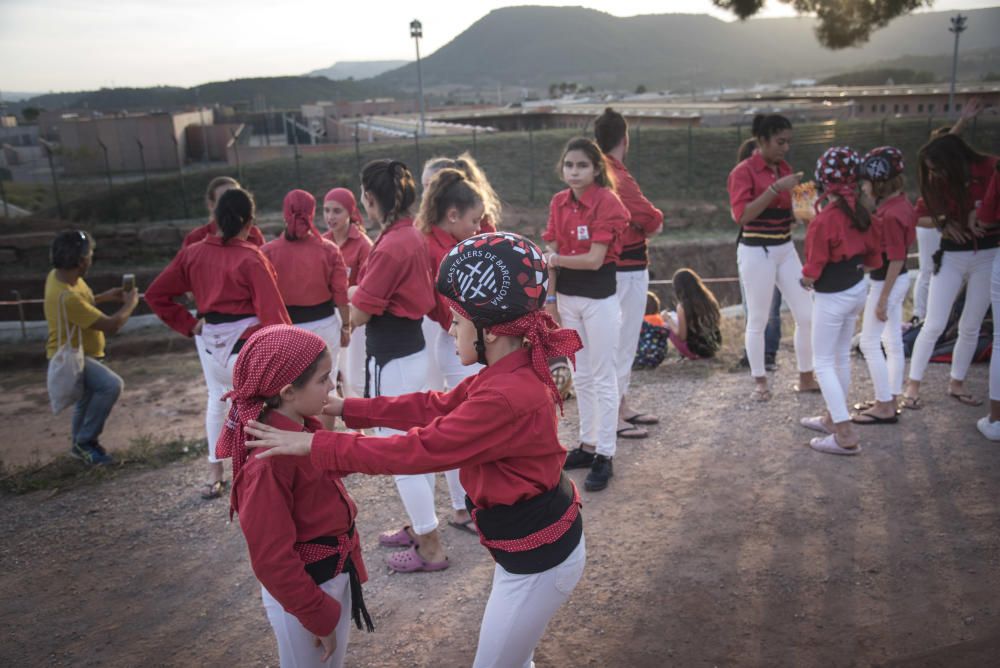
<point x="69" y="45"/>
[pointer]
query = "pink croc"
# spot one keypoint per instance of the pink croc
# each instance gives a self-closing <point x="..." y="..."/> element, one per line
<point x="410" y="561"/>
<point x="401" y="538"/>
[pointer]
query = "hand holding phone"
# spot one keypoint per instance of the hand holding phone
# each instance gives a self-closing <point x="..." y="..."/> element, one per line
<point x="128" y="282"/>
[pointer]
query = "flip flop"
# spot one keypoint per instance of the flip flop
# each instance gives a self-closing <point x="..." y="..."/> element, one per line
<point x="410" y="561"/>
<point x="809" y="390"/>
<point x="815" y="423"/>
<point x="401" y="538"/>
<point x="632" y="432"/>
<point x="911" y="403"/>
<point x="642" y="418"/>
<point x="468" y="526"/>
<point x="862" y="406"/>
<point x="828" y="445"/>
<point x="213" y="490"/>
<point x="759" y="394"/>
<point x="965" y="398"/>
<point x="868" y="418"/>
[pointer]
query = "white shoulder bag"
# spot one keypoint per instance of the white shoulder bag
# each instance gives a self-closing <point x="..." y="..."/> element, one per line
<point x="65" y="379"/>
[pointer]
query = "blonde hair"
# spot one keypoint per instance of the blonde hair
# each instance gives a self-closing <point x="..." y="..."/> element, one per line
<point x="466" y="164"/>
<point x="450" y="188"/>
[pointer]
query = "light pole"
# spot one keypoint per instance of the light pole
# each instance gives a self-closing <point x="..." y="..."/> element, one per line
<point x="958" y="27"/>
<point x="416" y="32"/>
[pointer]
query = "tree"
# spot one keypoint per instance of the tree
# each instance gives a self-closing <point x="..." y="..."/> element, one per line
<point x="31" y="114"/>
<point x="842" y="23"/>
<point x="640" y="89"/>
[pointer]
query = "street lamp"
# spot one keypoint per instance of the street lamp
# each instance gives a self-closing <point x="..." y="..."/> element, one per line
<point x="416" y="32"/>
<point x="958" y="27"/>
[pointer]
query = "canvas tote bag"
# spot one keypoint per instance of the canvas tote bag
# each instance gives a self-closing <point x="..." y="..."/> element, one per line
<point x="65" y="378"/>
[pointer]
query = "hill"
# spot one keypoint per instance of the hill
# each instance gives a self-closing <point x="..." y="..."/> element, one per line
<point x="357" y="69"/>
<point x="534" y="46"/>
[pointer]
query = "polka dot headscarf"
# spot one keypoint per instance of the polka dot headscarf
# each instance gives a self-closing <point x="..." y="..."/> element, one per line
<point x="837" y="171"/>
<point x="882" y="163"/>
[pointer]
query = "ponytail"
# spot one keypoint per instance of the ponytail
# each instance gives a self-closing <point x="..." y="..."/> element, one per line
<point x="234" y="210"/>
<point x="449" y="189"/>
<point x="861" y="219"/>
<point x="746" y="149"/>
<point x="610" y="129"/>
<point x="391" y="184"/>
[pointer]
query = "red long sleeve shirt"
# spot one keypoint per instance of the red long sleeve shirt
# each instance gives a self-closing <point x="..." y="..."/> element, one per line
<point x="233" y="278"/>
<point x="286" y="500"/>
<point x="748" y="180"/>
<point x="898" y="226"/>
<point x="397" y="276"/>
<point x="989" y="211"/>
<point x="498" y="427"/>
<point x="831" y="238"/>
<point x="310" y="271"/>
<point x="211" y="229"/>
<point x="980" y="175"/>
<point x="439" y="243"/>
<point x="354" y="250"/>
<point x="645" y="218"/>
<point x="598" y="217"/>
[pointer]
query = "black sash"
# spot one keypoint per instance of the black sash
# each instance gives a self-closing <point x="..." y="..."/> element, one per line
<point x="880" y="273"/>
<point x="389" y="337"/>
<point x="586" y="283"/>
<point x="310" y="313"/>
<point x="216" y="318"/>
<point x="840" y="276"/>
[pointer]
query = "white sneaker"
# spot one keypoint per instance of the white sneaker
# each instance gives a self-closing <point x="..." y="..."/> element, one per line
<point x="990" y="430"/>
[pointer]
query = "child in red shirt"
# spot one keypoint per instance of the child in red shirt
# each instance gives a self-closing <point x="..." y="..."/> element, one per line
<point x="298" y="520"/>
<point x="216" y="187"/>
<point x="498" y="426"/>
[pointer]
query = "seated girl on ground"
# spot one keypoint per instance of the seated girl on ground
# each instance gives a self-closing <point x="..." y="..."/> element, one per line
<point x="694" y="326"/>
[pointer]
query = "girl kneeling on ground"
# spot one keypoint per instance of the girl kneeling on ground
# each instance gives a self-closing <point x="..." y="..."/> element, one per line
<point x="694" y="326"/>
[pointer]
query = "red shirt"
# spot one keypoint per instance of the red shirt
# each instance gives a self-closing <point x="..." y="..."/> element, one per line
<point x="645" y="218"/>
<point x="748" y="180"/>
<point x="597" y="217"/>
<point x="397" y="276"/>
<point x="980" y="175"/>
<point x="898" y="229"/>
<point x="233" y="278"/>
<point x="286" y="500"/>
<point x="354" y="250"/>
<point x="310" y="271"/>
<point x="439" y="243"/>
<point x="831" y="238"/>
<point x="989" y="211"/>
<point x="210" y="229"/>
<point x="497" y="427"/>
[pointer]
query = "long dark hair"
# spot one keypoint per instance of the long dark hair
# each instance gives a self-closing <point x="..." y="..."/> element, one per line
<point x="951" y="156"/>
<point x="701" y="309"/>
<point x="746" y="149"/>
<point x="391" y="184"/>
<point x="233" y="211"/>
<point x="602" y="176"/>
<point x="860" y="218"/>
<point x="610" y="129"/>
<point x="766" y="126"/>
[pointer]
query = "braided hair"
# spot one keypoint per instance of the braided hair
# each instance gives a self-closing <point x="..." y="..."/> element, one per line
<point x="393" y="187"/>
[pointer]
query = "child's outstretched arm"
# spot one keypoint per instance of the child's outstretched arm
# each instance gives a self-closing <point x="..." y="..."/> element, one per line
<point x="416" y="409"/>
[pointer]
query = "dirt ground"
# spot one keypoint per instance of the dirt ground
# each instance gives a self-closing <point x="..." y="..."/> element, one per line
<point x="722" y="541"/>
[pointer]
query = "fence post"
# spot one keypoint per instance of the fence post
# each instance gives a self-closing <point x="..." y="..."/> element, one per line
<point x="416" y="145"/>
<point x="55" y="179"/>
<point x="107" y="172"/>
<point x="20" y="312"/>
<point x="739" y="135"/>
<point x="531" y="165"/>
<point x="180" y="175"/>
<point x="295" y="145"/>
<point x="145" y="178"/>
<point x="475" y="156"/>
<point x="638" y="151"/>
<point x="690" y="157"/>
<point x="236" y="152"/>
<point x="357" y="148"/>
<point x="3" y="196"/>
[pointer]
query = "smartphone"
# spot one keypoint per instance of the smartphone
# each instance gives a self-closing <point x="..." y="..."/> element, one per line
<point x="128" y="282"/>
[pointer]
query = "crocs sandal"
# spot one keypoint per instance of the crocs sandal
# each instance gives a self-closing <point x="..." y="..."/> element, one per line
<point x="468" y="526"/>
<point x="401" y="538"/>
<point x="632" y="432"/>
<point x="965" y="398"/>
<point x="815" y="423"/>
<point x="213" y="490"/>
<point x="410" y="561"/>
<point x="642" y="418"/>
<point x="828" y="445"/>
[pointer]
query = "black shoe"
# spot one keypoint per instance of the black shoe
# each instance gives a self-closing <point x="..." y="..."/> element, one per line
<point x="600" y="473"/>
<point x="770" y="362"/>
<point x="744" y="362"/>
<point x="578" y="459"/>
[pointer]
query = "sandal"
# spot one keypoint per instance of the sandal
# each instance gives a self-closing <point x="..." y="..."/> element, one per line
<point x="468" y="526"/>
<point x="815" y="423"/>
<point x="760" y="394"/>
<point x="911" y="403"/>
<point x="642" y="418"/>
<point x="863" y="406"/>
<point x="829" y="445"/>
<point x="808" y="390"/>
<point x="965" y="398"/>
<point x="213" y="490"/>
<point x="410" y="561"/>
<point x="401" y="538"/>
<point x="868" y="418"/>
<point x="632" y="432"/>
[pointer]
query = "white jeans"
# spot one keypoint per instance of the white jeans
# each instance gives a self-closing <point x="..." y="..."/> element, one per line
<point x="218" y="381"/>
<point x="297" y="646"/>
<point x="975" y="269"/>
<point x="995" y="358"/>
<point x="761" y="268"/>
<point x="595" y="379"/>
<point x="835" y="316"/>
<point x="885" y="369"/>
<point x="402" y="376"/>
<point x="520" y="607"/>
<point x="352" y="364"/>
<point x="327" y="329"/>
<point x="631" y="294"/>
<point x="928" y="242"/>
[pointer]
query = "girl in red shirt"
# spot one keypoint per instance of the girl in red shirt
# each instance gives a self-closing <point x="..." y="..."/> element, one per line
<point x="882" y="174"/>
<point x="311" y="274"/>
<point x="235" y="292"/>
<point x="216" y="187"/>
<point x="840" y="243"/>
<point x="586" y="222"/>
<point x="499" y="427"/>
<point x="298" y="520"/>
<point x="953" y="181"/>
<point x="393" y="294"/>
<point x="465" y="163"/>
<point x="346" y="228"/>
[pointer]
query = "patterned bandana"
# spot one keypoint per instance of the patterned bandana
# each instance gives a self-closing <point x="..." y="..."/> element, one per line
<point x="345" y="198"/>
<point x="837" y="169"/>
<point x="272" y="358"/>
<point x="882" y="163"/>
<point x="299" y="209"/>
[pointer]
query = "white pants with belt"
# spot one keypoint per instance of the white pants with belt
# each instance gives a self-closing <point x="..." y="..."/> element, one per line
<point x="631" y="293"/>
<point x="975" y="269"/>
<point x="835" y="317"/>
<point x="327" y="329"/>
<point x="995" y="358"/>
<point x="928" y="242"/>
<point x="886" y="369"/>
<point x="218" y="381"/>
<point x="761" y="268"/>
<point x="595" y="379"/>
<point x="297" y="646"/>
<point x="352" y="364"/>
<point x="520" y="607"/>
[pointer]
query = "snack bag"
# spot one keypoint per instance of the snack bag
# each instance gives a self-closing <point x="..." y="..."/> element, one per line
<point x="804" y="201"/>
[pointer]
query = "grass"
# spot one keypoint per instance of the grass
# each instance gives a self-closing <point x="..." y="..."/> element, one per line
<point x="65" y="472"/>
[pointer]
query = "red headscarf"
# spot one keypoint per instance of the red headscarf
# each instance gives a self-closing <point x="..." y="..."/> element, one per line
<point x="345" y="198"/>
<point x="299" y="209"/>
<point x="272" y="357"/>
<point x="837" y="169"/>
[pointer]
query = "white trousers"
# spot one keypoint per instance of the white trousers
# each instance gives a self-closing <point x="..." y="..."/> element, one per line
<point x="761" y="268"/>
<point x="402" y="376"/>
<point x="631" y="293"/>
<point x="297" y="646"/>
<point x="975" y="269"/>
<point x="218" y="381"/>
<point x="520" y="607"/>
<point x="352" y="364"/>
<point x="445" y="372"/>
<point x="928" y="243"/>
<point x="327" y="329"/>
<point x="835" y="317"/>
<point x="886" y="369"/>
<point x="595" y="379"/>
<point x="995" y="358"/>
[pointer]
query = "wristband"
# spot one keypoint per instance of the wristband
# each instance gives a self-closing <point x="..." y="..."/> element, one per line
<point x="551" y="299"/>
<point x="774" y="191"/>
